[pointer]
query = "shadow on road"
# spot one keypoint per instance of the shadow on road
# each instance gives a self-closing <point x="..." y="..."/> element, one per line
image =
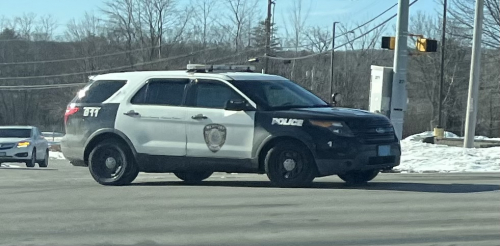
<point x="389" y="186"/>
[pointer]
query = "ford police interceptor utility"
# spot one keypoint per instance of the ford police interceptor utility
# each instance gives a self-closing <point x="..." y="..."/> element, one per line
<point x="221" y="119"/>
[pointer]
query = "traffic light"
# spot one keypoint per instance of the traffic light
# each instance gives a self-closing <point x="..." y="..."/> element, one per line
<point x="388" y="43"/>
<point x="427" y="45"/>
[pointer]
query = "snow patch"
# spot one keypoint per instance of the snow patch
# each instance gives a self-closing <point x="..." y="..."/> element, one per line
<point x="418" y="157"/>
<point x="56" y="155"/>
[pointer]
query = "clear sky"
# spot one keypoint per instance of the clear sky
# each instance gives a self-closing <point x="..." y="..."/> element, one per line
<point x="321" y="12"/>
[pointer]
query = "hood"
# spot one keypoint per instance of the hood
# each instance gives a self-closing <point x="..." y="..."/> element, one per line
<point x="13" y="140"/>
<point x="333" y="113"/>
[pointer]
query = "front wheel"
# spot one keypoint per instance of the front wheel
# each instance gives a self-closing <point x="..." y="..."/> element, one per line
<point x="193" y="177"/>
<point x="32" y="161"/>
<point x="45" y="162"/>
<point x="290" y="165"/>
<point x="111" y="163"/>
<point x="359" y="177"/>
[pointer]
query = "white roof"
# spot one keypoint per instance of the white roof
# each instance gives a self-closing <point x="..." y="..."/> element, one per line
<point x="143" y="75"/>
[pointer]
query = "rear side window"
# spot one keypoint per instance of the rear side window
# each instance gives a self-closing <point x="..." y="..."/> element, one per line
<point x="99" y="91"/>
<point x="161" y="92"/>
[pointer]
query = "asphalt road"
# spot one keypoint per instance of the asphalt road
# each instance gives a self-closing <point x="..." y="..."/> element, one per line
<point x="64" y="206"/>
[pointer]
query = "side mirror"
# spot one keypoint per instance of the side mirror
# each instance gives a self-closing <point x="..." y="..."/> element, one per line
<point x="238" y="105"/>
<point x="335" y="98"/>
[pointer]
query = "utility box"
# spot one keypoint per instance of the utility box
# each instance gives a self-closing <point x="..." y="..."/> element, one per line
<point x="381" y="90"/>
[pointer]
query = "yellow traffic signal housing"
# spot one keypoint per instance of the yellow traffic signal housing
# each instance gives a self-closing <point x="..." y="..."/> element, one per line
<point x="389" y="43"/>
<point x="427" y="45"/>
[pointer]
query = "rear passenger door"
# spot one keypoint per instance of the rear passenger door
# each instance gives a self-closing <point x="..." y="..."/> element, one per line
<point x="153" y="118"/>
<point x="212" y="131"/>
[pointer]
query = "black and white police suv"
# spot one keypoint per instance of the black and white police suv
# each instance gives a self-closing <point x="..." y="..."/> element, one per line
<point x="221" y="119"/>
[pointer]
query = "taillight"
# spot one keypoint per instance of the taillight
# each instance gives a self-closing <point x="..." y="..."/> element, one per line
<point x="70" y="111"/>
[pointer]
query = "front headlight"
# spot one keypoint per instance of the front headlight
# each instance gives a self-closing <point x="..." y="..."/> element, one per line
<point x="337" y="127"/>
<point x="23" y="144"/>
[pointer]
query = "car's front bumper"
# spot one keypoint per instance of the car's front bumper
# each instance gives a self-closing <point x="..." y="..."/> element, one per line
<point x="15" y="154"/>
<point x="360" y="158"/>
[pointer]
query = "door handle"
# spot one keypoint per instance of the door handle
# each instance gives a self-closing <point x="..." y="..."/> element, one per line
<point x="199" y="117"/>
<point x="132" y="113"/>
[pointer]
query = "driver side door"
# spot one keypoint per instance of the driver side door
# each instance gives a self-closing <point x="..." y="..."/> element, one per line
<point x="213" y="131"/>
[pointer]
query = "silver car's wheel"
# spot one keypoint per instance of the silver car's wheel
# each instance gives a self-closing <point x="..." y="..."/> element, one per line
<point x="31" y="163"/>
<point x="45" y="161"/>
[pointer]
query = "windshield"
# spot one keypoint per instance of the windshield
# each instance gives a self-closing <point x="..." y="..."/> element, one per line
<point x="278" y="94"/>
<point x="15" y="133"/>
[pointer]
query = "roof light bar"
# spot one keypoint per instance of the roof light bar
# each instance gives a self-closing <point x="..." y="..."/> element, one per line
<point x="214" y="68"/>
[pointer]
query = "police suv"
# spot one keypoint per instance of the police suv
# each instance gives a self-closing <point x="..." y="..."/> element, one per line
<point x="221" y="119"/>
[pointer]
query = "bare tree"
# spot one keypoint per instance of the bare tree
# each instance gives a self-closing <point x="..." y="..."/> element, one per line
<point x="240" y="16"/>
<point x="26" y="24"/>
<point x="44" y="30"/>
<point x="297" y="20"/>
<point x="462" y="16"/>
<point x="204" y="16"/>
<point x="122" y="20"/>
<point x="319" y="39"/>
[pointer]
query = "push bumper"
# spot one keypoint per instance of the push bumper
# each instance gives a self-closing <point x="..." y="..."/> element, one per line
<point x="365" y="157"/>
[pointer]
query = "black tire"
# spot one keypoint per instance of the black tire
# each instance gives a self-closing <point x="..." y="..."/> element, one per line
<point x="45" y="161"/>
<point x="359" y="177"/>
<point x="32" y="162"/>
<point x="193" y="177"/>
<point x="111" y="163"/>
<point x="290" y="165"/>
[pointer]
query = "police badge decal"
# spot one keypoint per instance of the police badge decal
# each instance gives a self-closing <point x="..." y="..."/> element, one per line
<point x="215" y="136"/>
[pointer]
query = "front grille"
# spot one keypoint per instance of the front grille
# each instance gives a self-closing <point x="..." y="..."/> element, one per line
<point x="5" y="146"/>
<point x="373" y="130"/>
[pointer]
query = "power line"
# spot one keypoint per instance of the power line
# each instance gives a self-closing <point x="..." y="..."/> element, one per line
<point x="356" y="28"/>
<point x="57" y="86"/>
<point x="78" y="58"/>
<point x="40" y="87"/>
<point x="342" y="45"/>
<point x="106" y="69"/>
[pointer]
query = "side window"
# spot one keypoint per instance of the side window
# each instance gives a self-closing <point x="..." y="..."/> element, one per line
<point x="99" y="91"/>
<point x="212" y="94"/>
<point x="161" y="92"/>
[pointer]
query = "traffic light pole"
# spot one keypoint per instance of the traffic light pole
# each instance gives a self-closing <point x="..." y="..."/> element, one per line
<point x="441" y="78"/>
<point x="399" y="94"/>
<point x="332" y="59"/>
<point x="475" y="69"/>
<point x="268" y="36"/>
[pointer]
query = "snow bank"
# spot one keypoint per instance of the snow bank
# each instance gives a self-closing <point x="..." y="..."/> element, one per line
<point x="56" y="155"/>
<point x="420" y="136"/>
<point x="418" y="157"/>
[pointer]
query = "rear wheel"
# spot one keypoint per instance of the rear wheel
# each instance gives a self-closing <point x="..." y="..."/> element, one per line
<point x="359" y="177"/>
<point x="45" y="161"/>
<point x="193" y="177"/>
<point x="111" y="163"/>
<point x="32" y="161"/>
<point x="290" y="165"/>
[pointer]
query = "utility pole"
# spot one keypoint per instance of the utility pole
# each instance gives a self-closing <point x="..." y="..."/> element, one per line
<point x="399" y="93"/>
<point x="332" y="57"/>
<point x="268" y="35"/>
<point x="475" y="69"/>
<point x="441" y="79"/>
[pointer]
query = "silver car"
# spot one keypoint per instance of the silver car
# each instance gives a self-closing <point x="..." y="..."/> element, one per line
<point x="23" y="144"/>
